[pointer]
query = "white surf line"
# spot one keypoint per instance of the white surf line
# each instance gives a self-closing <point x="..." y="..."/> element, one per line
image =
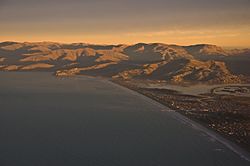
<point x="230" y="145"/>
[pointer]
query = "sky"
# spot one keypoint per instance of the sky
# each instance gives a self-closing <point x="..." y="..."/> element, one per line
<point x="184" y="22"/>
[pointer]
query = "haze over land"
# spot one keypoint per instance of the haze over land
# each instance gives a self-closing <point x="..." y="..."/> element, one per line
<point x="177" y="64"/>
<point x="155" y="73"/>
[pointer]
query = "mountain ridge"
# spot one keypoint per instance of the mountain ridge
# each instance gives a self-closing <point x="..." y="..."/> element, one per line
<point x="156" y="61"/>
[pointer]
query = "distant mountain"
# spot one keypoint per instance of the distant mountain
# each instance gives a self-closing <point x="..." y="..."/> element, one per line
<point x="156" y="61"/>
<point x="206" y="52"/>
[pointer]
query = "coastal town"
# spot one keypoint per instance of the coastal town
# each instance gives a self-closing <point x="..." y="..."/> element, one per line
<point x="226" y="114"/>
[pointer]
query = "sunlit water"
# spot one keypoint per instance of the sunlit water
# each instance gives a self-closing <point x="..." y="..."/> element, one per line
<point x="83" y="121"/>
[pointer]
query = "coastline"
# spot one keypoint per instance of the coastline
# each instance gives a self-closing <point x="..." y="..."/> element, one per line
<point x="174" y="114"/>
<point x="193" y="124"/>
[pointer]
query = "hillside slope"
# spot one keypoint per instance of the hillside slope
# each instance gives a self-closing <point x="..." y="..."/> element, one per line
<point x="157" y="61"/>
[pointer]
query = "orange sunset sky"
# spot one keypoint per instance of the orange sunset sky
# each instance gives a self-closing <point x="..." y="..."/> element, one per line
<point x="221" y="22"/>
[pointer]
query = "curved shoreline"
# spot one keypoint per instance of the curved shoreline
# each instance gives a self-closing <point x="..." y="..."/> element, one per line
<point x="227" y="143"/>
<point x="195" y="125"/>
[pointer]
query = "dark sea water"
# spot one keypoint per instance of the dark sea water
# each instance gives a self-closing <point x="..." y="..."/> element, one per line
<point x="49" y="121"/>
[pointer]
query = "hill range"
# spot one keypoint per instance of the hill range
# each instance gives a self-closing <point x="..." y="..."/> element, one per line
<point x="201" y="63"/>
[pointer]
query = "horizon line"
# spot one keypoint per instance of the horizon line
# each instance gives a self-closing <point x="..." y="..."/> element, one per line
<point x="132" y="43"/>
